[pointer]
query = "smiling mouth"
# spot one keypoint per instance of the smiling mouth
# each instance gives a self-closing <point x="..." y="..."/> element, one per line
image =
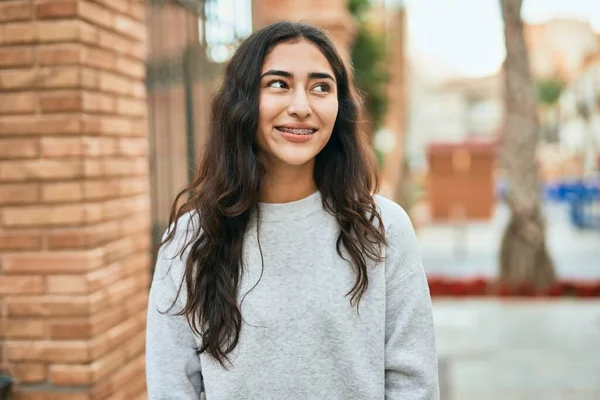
<point x="295" y="131"/>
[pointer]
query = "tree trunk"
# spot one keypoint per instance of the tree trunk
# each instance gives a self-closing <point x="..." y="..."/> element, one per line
<point x="524" y="258"/>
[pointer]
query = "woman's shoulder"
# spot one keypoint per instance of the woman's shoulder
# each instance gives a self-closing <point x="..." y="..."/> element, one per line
<point x="174" y="249"/>
<point x="393" y="216"/>
<point x="179" y="233"/>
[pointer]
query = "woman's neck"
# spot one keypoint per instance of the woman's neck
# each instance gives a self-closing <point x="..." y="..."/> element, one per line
<point x="287" y="183"/>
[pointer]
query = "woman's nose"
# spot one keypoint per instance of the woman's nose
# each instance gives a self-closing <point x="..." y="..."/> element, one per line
<point x="300" y="105"/>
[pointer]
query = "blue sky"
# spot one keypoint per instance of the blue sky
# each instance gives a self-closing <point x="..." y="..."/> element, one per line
<point x="467" y="35"/>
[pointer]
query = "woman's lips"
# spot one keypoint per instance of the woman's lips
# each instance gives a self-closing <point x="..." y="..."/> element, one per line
<point x="296" y="131"/>
<point x="296" y="135"/>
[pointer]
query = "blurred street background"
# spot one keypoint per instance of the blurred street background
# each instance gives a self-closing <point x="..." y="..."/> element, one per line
<point x="484" y="117"/>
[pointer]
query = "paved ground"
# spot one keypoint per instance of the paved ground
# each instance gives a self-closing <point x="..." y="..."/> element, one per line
<point x="472" y="249"/>
<point x="515" y="350"/>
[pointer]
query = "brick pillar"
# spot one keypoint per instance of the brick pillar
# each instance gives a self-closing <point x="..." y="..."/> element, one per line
<point x="332" y="15"/>
<point x="74" y="198"/>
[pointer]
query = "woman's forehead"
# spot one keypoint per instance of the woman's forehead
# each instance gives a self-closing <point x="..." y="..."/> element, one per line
<point x="299" y="58"/>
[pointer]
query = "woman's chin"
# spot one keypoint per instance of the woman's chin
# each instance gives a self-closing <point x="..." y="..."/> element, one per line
<point x="294" y="159"/>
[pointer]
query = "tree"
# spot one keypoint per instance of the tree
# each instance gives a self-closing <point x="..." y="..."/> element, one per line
<point x="524" y="258"/>
<point x="548" y="93"/>
<point x="368" y="55"/>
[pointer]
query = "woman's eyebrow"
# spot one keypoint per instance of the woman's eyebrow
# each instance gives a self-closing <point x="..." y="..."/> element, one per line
<point x="320" y="75"/>
<point x="286" y="74"/>
<point x="277" y="72"/>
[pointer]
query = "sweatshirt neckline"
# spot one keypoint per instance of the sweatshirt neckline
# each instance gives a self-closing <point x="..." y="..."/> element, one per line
<point x="291" y="210"/>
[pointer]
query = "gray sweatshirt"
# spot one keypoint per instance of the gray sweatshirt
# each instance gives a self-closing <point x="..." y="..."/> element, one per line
<point x="301" y="338"/>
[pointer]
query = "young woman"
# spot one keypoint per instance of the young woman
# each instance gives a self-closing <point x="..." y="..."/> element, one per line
<point x="283" y="276"/>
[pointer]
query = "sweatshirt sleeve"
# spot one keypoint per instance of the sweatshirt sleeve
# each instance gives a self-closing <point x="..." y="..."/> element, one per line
<point x="172" y="365"/>
<point x="410" y="349"/>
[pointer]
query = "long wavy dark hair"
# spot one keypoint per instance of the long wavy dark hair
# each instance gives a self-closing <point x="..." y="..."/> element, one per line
<point x="224" y="192"/>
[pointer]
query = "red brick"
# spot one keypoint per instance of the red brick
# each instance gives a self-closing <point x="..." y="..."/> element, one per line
<point x="122" y="45"/>
<point x="138" y="11"/>
<point x="62" y="192"/>
<point x="101" y="189"/>
<point x="89" y="34"/>
<point x="128" y="382"/>
<point x="90" y="78"/>
<point x="17" y="33"/>
<point x="58" y="31"/>
<point x="98" y="146"/>
<point x="116" y="5"/>
<point x="94" y="212"/>
<point x="135" y="345"/>
<point x="29" y="372"/>
<point x="130" y="67"/>
<point x="71" y="328"/>
<point x="106" y="326"/>
<point x="123" y="290"/>
<point x="139" y="89"/>
<point x="114" y="83"/>
<point x="123" y="207"/>
<point x="62" y="53"/>
<point x="43" y="215"/>
<point x="40" y="169"/>
<point x="16" y="56"/>
<point x="108" y="364"/>
<point x="21" y="285"/>
<point x="48" y="306"/>
<point x="98" y="58"/>
<point x="49" y="351"/>
<point x="55" y="9"/>
<point x="40" y="124"/>
<point x="18" y="79"/>
<point x="132" y="107"/>
<point x="119" y="249"/>
<point x="129" y="27"/>
<point x="103" y="233"/>
<point x="59" y="77"/>
<point x="23" y="329"/>
<point x="99" y="302"/>
<point x="15" y="10"/>
<point x="52" y="262"/>
<point x="135" y="223"/>
<point x="66" y="284"/>
<point x="125" y="167"/>
<point x="96" y="14"/>
<point x="138" y="303"/>
<point x="67" y="238"/>
<point x="61" y="147"/>
<point x="110" y="125"/>
<point x="52" y="394"/>
<point x="104" y="276"/>
<point x="61" y="101"/>
<point x="98" y="102"/>
<point x="19" y="193"/>
<point x="133" y="186"/>
<point x="92" y="168"/>
<point x="20" y="240"/>
<point x="17" y="103"/>
<point x="19" y="148"/>
<point x="71" y="375"/>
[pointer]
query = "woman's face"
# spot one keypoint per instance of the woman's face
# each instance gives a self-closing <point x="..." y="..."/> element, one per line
<point x="298" y="104"/>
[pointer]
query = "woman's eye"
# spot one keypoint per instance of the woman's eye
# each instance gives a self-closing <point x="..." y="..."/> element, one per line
<point x="278" y="84"/>
<point x="322" y="87"/>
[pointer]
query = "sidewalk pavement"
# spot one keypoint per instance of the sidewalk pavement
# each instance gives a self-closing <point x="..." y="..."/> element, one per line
<point x="518" y="350"/>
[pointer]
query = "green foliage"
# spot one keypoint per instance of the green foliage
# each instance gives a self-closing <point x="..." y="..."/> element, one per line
<point x="368" y="54"/>
<point x="358" y="7"/>
<point x="549" y="90"/>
